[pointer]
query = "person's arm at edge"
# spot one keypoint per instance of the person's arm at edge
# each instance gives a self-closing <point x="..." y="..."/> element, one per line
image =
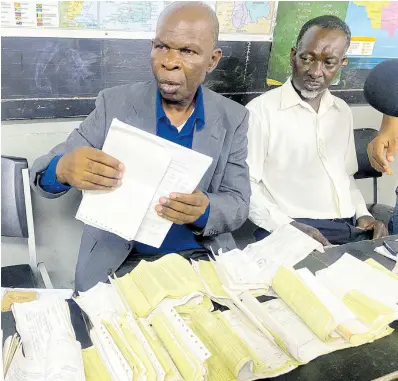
<point x="384" y="147"/>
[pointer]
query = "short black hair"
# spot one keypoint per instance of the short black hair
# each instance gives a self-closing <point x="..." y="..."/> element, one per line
<point x="326" y="22"/>
<point x="213" y="20"/>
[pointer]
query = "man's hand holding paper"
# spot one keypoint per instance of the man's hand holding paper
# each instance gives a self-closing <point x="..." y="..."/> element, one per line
<point x="87" y="168"/>
<point x="182" y="208"/>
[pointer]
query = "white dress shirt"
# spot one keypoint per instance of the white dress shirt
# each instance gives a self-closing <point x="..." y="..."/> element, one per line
<point x="301" y="162"/>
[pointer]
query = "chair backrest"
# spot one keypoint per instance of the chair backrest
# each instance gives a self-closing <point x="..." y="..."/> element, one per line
<point x="13" y="208"/>
<point x="362" y="138"/>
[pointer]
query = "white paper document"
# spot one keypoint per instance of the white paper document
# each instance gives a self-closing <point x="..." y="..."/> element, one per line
<point x="154" y="168"/>
<point x="350" y="273"/>
<point x="38" y="321"/>
<point x="256" y="265"/>
<point x="121" y="211"/>
<point x="184" y="173"/>
<point x="385" y="253"/>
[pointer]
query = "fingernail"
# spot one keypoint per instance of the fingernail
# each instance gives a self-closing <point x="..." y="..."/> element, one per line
<point x="158" y="208"/>
<point x="174" y="195"/>
<point x="121" y="166"/>
<point x="163" y="200"/>
<point x="119" y="182"/>
<point x="120" y="176"/>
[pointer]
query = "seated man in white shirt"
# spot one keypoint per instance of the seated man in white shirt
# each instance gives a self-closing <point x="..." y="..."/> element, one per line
<point x="301" y="147"/>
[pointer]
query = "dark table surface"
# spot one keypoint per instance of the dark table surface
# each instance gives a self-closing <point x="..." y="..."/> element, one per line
<point x="363" y="363"/>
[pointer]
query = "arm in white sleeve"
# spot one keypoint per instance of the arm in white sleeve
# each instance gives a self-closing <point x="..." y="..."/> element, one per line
<point x="351" y="163"/>
<point x="263" y="212"/>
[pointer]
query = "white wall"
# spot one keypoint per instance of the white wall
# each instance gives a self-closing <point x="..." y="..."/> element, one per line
<point x="57" y="231"/>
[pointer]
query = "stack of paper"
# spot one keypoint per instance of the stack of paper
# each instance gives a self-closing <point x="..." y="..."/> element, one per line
<point x="170" y="281"/>
<point x="50" y="350"/>
<point x="159" y="347"/>
<point x="347" y="304"/>
<point x="157" y="324"/>
<point x="254" y="267"/>
<point x="94" y="367"/>
<point x="154" y="168"/>
<point x="367" y="288"/>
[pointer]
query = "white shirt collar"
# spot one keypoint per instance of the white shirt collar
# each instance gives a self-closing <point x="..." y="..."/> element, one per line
<point x="290" y="98"/>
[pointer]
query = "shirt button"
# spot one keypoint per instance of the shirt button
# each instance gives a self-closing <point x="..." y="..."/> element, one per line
<point x="110" y="272"/>
<point x="127" y="246"/>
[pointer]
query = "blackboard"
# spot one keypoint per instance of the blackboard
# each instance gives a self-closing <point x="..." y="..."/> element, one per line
<point x="61" y="77"/>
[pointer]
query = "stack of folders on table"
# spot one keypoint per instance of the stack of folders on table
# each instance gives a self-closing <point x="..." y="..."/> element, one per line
<point x="154" y="168"/>
<point x="158" y="322"/>
<point x="46" y="348"/>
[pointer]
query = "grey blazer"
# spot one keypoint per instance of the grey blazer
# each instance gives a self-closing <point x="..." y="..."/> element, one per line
<point x="226" y="182"/>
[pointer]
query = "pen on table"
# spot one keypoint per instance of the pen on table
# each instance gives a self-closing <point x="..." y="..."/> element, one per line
<point x="389" y="248"/>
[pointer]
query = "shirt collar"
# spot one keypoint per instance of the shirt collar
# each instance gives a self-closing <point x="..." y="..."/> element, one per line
<point x="198" y="114"/>
<point x="290" y="98"/>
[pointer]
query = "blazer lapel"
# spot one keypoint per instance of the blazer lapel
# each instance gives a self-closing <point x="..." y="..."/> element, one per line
<point x="145" y="107"/>
<point x="209" y="140"/>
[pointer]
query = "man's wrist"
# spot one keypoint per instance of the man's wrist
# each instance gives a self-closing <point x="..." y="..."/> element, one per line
<point x="59" y="173"/>
<point x="389" y="126"/>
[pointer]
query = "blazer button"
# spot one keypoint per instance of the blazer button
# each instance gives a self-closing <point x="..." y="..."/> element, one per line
<point x="127" y="246"/>
<point x="110" y="272"/>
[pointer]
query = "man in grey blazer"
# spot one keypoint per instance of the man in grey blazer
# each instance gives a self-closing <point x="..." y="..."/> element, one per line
<point x="176" y="107"/>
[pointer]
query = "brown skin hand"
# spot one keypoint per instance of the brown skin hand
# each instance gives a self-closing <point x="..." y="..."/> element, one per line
<point x="182" y="54"/>
<point x="316" y="61"/>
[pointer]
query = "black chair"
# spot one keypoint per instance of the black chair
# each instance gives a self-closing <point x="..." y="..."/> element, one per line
<point x="17" y="222"/>
<point x="365" y="171"/>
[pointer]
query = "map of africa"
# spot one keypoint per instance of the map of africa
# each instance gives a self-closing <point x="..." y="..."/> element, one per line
<point x="377" y="19"/>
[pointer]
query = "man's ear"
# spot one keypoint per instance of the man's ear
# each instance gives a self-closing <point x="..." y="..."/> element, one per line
<point x="215" y="59"/>
<point x="293" y="53"/>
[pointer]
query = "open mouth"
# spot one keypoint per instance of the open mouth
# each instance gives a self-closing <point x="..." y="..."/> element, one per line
<point x="169" y="87"/>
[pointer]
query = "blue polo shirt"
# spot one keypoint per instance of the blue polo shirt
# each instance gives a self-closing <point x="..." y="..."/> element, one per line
<point x="179" y="237"/>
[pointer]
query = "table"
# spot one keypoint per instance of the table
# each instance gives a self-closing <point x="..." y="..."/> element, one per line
<point x="363" y="363"/>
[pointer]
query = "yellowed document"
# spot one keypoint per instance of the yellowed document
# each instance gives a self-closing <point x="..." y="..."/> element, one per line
<point x="224" y="342"/>
<point x="291" y="288"/>
<point x="171" y="277"/>
<point x="378" y="266"/>
<point x="126" y="347"/>
<point x="275" y="361"/>
<point x="187" y="363"/>
<point x="94" y="368"/>
<point x="171" y="371"/>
